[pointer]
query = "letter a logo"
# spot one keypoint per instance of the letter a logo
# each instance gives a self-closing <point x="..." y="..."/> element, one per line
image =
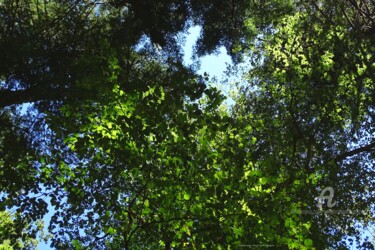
<point x="323" y="197"/>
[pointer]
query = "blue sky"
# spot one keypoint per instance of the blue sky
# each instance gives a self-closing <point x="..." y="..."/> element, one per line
<point x="214" y="65"/>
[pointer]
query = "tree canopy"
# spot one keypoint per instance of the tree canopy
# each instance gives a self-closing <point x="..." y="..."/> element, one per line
<point x="102" y="123"/>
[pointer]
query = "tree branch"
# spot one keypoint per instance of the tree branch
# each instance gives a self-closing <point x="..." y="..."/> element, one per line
<point x="8" y="97"/>
<point x="359" y="150"/>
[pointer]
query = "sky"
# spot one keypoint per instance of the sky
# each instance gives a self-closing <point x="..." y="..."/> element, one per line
<point x="214" y="65"/>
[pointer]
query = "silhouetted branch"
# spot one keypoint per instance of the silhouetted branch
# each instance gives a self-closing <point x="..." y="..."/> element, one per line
<point x="359" y="150"/>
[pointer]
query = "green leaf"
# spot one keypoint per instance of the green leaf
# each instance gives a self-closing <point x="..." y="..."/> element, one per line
<point x="111" y="231"/>
<point x="186" y="196"/>
<point x="308" y="243"/>
<point x="253" y="140"/>
<point x="263" y="180"/>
